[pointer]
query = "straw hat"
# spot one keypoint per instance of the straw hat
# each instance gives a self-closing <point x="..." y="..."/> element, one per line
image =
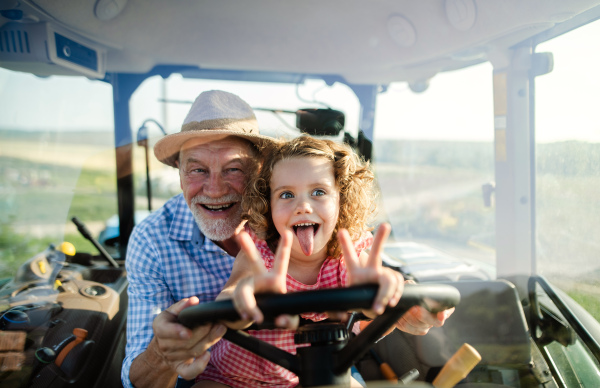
<point x="214" y="115"/>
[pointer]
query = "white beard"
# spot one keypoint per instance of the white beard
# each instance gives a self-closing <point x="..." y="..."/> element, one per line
<point x="220" y="229"/>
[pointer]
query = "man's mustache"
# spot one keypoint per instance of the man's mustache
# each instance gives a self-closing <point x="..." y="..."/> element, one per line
<point x="206" y="200"/>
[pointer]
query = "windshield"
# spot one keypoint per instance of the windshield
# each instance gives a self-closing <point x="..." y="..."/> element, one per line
<point x="434" y="154"/>
<point x="58" y="158"/>
<point x="56" y="162"/>
<point x="57" y="151"/>
<point x="567" y="154"/>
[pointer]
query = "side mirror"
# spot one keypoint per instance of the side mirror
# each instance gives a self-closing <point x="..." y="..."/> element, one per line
<point x="487" y="190"/>
<point x="320" y="122"/>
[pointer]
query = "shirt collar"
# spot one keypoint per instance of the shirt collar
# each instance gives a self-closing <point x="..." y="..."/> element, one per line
<point x="198" y="237"/>
<point x="182" y="220"/>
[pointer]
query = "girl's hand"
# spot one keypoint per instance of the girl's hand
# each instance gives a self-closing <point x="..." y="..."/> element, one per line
<point x="391" y="283"/>
<point x="261" y="280"/>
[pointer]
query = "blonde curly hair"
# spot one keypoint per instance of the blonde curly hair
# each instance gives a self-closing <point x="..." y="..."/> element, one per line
<point x="353" y="177"/>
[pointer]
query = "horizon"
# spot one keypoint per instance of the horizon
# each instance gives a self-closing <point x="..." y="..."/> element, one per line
<point x="380" y="139"/>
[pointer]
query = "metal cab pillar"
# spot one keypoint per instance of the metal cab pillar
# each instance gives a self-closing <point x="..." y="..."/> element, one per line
<point x="514" y="167"/>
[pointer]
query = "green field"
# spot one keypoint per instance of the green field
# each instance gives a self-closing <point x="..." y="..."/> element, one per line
<point x="42" y="191"/>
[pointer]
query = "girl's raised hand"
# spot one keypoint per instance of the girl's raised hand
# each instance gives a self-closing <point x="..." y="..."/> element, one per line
<point x="261" y="280"/>
<point x="369" y="269"/>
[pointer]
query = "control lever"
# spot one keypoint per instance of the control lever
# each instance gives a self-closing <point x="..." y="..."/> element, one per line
<point x="86" y="233"/>
<point x="70" y="355"/>
<point x="79" y="335"/>
<point x="457" y="367"/>
<point x="47" y="355"/>
<point x="385" y="368"/>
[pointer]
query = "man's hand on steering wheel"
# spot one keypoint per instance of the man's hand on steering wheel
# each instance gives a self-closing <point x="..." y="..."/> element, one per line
<point x="184" y="350"/>
<point x="418" y="320"/>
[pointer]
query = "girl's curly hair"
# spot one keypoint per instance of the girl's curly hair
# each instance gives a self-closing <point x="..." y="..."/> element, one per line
<point x="353" y="178"/>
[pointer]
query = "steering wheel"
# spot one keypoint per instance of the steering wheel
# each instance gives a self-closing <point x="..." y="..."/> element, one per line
<point x="329" y="358"/>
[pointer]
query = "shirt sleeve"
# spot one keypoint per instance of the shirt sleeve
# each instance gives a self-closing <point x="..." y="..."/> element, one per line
<point x="148" y="295"/>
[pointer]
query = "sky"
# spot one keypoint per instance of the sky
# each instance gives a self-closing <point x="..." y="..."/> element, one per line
<point x="456" y="106"/>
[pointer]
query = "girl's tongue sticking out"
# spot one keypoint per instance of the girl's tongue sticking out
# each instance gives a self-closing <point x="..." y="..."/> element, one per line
<point x="306" y="234"/>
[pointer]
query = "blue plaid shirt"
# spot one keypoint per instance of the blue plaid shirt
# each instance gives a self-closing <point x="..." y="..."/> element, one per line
<point x="168" y="259"/>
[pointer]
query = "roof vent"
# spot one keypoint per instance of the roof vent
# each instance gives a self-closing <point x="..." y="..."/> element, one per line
<point x="15" y="42"/>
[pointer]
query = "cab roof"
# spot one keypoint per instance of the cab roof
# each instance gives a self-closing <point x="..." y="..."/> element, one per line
<point x="361" y="41"/>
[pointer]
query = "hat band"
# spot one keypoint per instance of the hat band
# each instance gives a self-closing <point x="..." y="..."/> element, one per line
<point x="239" y="125"/>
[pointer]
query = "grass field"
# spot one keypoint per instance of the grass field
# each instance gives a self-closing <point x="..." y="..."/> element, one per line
<point x="42" y="188"/>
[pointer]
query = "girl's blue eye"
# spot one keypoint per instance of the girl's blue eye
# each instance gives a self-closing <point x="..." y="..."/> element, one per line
<point x="318" y="192"/>
<point x="286" y="195"/>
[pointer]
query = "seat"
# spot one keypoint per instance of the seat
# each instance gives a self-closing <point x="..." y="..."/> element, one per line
<point x="489" y="318"/>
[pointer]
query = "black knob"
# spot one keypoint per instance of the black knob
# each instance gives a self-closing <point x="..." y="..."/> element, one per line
<point x="45" y="355"/>
<point x="14" y="319"/>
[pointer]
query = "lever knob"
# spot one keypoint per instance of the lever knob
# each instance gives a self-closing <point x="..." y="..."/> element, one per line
<point x="80" y="336"/>
<point x="457" y="367"/>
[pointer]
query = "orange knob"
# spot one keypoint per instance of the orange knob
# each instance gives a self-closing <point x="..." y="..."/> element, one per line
<point x="80" y="336"/>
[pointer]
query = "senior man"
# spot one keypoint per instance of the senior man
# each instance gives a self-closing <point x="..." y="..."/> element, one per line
<point x="182" y="254"/>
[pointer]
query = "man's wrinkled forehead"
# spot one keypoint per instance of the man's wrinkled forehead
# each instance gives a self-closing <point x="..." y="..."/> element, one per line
<point x="245" y="147"/>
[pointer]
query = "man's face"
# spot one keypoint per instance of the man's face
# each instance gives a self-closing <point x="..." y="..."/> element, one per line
<point x="213" y="176"/>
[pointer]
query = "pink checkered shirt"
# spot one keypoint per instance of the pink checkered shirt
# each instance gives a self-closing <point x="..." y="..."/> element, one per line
<point x="231" y="365"/>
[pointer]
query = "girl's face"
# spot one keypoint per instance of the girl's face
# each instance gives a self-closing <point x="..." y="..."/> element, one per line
<point x="306" y="201"/>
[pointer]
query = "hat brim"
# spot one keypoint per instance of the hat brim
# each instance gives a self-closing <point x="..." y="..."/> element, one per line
<point x="167" y="149"/>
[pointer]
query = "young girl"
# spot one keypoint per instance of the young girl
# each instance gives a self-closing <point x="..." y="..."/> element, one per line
<point x="308" y="192"/>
